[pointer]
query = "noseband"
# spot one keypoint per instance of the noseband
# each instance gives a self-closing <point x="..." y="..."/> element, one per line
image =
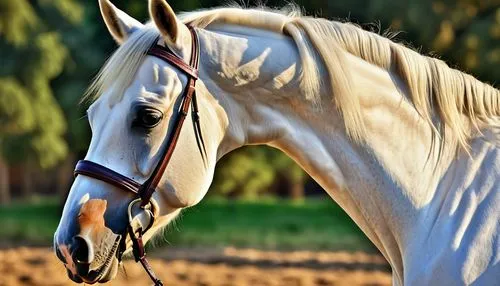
<point x="143" y="192"/>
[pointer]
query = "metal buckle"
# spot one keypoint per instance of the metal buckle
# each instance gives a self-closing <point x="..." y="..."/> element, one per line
<point x="136" y="220"/>
<point x="136" y="227"/>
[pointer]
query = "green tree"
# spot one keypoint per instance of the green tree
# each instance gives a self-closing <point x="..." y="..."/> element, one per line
<point x="32" y="125"/>
<point x="252" y="171"/>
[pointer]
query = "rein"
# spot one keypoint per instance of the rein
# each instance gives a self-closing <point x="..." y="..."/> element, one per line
<point x="143" y="192"/>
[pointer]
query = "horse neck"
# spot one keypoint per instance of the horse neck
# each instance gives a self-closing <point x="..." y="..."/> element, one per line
<point x="381" y="183"/>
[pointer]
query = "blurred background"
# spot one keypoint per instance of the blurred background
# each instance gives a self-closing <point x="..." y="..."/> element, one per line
<point x="260" y="199"/>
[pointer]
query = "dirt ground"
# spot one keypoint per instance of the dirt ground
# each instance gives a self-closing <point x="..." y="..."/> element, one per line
<point x="229" y="266"/>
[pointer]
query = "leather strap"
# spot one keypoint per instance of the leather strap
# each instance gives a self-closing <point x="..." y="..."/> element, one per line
<point x="139" y="251"/>
<point x="188" y="96"/>
<point x="146" y="190"/>
<point x="149" y="187"/>
<point x="102" y="173"/>
<point x="160" y="52"/>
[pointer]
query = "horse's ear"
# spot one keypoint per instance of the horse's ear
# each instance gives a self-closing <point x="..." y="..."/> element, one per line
<point x="164" y="18"/>
<point x="120" y="25"/>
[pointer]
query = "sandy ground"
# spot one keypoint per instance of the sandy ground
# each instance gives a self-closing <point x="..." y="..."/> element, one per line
<point x="229" y="266"/>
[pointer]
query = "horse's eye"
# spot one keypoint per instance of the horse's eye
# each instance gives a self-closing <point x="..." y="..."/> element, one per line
<point x="147" y="117"/>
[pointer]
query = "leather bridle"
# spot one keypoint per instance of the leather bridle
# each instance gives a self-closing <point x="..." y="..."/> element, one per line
<point x="143" y="192"/>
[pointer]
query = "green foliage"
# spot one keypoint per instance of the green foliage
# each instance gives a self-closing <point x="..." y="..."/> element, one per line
<point x="272" y="224"/>
<point x="466" y="33"/>
<point x="70" y="10"/>
<point x="32" y="222"/>
<point x="33" y="55"/>
<point x="17" y="20"/>
<point x="251" y="171"/>
<point x="15" y="109"/>
<point x="246" y="172"/>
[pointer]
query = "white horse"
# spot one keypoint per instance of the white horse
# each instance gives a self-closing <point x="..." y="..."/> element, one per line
<point x="407" y="146"/>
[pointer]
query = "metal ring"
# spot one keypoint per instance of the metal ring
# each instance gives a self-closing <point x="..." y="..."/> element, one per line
<point x="131" y="205"/>
<point x="146" y="208"/>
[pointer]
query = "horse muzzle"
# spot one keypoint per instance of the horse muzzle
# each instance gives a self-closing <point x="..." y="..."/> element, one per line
<point x="92" y="253"/>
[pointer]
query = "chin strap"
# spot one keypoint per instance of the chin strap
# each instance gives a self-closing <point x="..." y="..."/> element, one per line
<point x="136" y="228"/>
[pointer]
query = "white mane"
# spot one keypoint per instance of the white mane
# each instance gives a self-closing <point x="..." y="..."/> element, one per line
<point x="457" y="99"/>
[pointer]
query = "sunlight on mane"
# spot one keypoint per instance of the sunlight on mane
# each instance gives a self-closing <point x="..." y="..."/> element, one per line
<point x="435" y="89"/>
<point x="462" y="103"/>
<point x="119" y="70"/>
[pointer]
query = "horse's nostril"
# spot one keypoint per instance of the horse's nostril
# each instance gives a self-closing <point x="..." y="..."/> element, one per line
<point x="60" y="255"/>
<point x="81" y="250"/>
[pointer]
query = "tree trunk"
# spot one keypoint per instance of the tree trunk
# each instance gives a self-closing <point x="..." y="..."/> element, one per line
<point x="27" y="187"/>
<point x="4" y="182"/>
<point x="296" y="190"/>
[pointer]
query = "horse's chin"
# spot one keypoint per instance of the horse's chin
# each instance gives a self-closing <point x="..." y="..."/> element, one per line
<point x="111" y="271"/>
<point x="102" y="275"/>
